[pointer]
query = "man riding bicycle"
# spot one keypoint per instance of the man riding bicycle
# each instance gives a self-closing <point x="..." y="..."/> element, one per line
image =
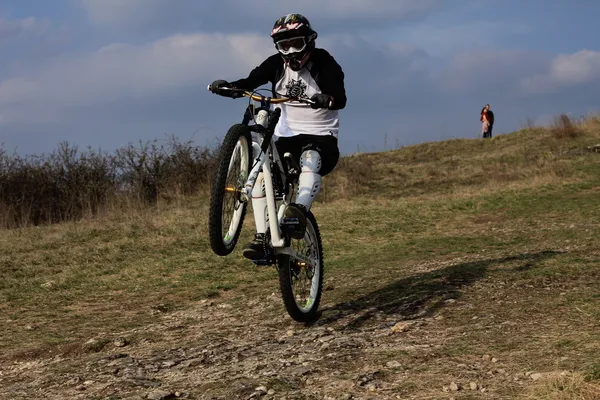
<point x="308" y="132"/>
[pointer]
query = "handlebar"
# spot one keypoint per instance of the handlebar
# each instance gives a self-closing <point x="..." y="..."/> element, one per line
<point x="258" y="97"/>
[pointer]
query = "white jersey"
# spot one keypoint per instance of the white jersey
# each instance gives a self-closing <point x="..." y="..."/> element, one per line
<point x="300" y="118"/>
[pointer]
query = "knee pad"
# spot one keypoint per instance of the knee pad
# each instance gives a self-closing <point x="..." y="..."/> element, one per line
<point x="310" y="161"/>
<point x="309" y="182"/>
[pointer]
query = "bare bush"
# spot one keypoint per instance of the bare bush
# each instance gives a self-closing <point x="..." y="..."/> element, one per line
<point x="564" y="128"/>
<point x="69" y="184"/>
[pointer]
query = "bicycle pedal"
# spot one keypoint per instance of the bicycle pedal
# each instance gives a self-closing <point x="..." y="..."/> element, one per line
<point x="262" y="263"/>
<point x="290" y="221"/>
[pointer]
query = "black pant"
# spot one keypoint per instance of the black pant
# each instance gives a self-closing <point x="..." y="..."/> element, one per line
<point x="488" y="131"/>
<point x="327" y="146"/>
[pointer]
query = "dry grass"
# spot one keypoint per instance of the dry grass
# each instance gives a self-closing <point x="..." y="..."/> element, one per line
<point x="564" y="386"/>
<point x="538" y="153"/>
<point x="485" y="247"/>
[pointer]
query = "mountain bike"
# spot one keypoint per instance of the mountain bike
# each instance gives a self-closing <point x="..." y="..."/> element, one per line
<point x="296" y="255"/>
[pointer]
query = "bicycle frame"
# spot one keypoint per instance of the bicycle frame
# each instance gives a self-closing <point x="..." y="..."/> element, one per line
<point x="265" y="167"/>
<point x="266" y="151"/>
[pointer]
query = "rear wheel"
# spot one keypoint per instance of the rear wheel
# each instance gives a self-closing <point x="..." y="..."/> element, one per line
<point x="227" y="210"/>
<point x="301" y="284"/>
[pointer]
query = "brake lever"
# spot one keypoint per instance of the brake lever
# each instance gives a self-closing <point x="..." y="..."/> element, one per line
<point x="309" y="101"/>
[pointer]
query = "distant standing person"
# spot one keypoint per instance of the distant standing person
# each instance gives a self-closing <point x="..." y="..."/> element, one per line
<point x="487" y="121"/>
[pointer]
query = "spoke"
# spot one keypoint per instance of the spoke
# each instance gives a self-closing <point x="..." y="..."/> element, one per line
<point x="303" y="275"/>
<point x="232" y="206"/>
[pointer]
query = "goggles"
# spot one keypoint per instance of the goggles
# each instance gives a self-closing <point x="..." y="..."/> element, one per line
<point x="291" y="45"/>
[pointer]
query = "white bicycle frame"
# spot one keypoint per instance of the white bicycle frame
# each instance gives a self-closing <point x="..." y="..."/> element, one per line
<point x="277" y="239"/>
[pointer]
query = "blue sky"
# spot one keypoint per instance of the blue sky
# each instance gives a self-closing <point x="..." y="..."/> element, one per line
<point x="105" y="73"/>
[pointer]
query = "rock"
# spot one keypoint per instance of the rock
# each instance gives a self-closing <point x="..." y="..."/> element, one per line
<point x="486" y="357"/>
<point x="454" y="387"/>
<point x="95" y="345"/>
<point x="261" y="390"/>
<point x="270" y="392"/>
<point x="163" y="308"/>
<point x="325" y="339"/>
<point x="88" y="383"/>
<point x="301" y="371"/>
<point x="73" y="381"/>
<point x="401" y="327"/>
<point x="120" y="342"/>
<point x="289" y="333"/>
<point x="536" y="376"/>
<point x="494" y="360"/>
<point x="30" y="327"/>
<point x="169" y="364"/>
<point x="48" y="285"/>
<point x="367" y="378"/>
<point x="160" y="395"/>
<point x="473" y="386"/>
<point x="393" y="364"/>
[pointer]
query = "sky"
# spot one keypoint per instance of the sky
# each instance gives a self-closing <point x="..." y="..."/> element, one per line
<point x="105" y="73"/>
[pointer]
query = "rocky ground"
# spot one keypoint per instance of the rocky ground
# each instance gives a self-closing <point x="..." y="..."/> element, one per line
<point x="241" y="348"/>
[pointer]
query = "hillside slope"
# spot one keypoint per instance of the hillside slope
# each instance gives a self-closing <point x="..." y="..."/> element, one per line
<point x="458" y="269"/>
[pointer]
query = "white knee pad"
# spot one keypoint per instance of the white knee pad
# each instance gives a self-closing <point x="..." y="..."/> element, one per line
<point x="309" y="182"/>
<point x="310" y="161"/>
<point x="259" y="204"/>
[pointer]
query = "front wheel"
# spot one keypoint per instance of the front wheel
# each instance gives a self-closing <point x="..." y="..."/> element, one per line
<point x="227" y="210"/>
<point x="301" y="284"/>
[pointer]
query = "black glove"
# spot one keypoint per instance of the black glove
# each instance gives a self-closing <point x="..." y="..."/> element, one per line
<point x="321" y="100"/>
<point x="217" y="86"/>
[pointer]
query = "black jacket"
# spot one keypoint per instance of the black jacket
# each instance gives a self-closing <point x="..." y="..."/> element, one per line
<point x="323" y="68"/>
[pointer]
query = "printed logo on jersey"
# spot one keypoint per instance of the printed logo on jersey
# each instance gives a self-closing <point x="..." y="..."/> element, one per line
<point x="296" y="88"/>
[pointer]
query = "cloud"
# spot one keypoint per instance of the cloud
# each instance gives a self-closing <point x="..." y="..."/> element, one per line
<point x="481" y="71"/>
<point x="143" y="88"/>
<point x="14" y="28"/>
<point x="127" y="73"/>
<point x="448" y="39"/>
<point x="564" y="71"/>
<point x="127" y="92"/>
<point x="257" y="15"/>
<point x="379" y="71"/>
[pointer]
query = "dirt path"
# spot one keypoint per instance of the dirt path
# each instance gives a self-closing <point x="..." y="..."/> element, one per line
<point x="420" y="344"/>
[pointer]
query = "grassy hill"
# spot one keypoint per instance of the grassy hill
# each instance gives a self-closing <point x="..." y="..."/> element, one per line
<point x="456" y="269"/>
